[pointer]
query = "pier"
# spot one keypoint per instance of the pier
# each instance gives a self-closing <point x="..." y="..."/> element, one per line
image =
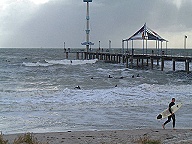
<point x="131" y="60"/>
<point x="135" y="60"/>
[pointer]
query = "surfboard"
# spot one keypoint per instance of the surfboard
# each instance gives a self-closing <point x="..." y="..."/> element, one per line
<point x="166" y="112"/>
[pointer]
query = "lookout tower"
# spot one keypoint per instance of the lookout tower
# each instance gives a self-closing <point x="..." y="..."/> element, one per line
<point x="87" y="43"/>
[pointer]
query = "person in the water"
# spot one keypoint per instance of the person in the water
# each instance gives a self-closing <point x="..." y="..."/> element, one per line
<point x="77" y="87"/>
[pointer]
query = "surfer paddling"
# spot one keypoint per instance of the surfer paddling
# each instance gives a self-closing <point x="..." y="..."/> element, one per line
<point x="77" y="87"/>
<point x="172" y="114"/>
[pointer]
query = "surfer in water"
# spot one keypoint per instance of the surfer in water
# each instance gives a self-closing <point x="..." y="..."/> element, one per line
<point x="172" y="114"/>
<point x="77" y="87"/>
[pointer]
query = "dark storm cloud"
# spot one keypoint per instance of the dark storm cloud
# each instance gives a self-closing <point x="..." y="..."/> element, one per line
<point x="185" y="14"/>
<point x="51" y="25"/>
<point x="59" y="21"/>
<point x="120" y="19"/>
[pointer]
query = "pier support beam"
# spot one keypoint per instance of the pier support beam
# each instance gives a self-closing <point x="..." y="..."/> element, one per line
<point x="127" y="61"/>
<point x="82" y="55"/>
<point x="118" y="59"/>
<point x="173" y="64"/>
<point x="151" y="63"/>
<point x="131" y="60"/>
<point x="115" y="58"/>
<point x="124" y="58"/>
<point x="97" y="55"/>
<point x="142" y="61"/>
<point x="108" y="57"/>
<point x="158" y="62"/>
<point x="101" y="57"/>
<point x="147" y="62"/>
<point x="162" y="63"/>
<point x="137" y="62"/>
<point x="187" y="66"/>
<point x="85" y="55"/>
<point x="77" y="55"/>
<point x="67" y="55"/>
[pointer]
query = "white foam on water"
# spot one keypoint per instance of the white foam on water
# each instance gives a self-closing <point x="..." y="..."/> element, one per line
<point x="47" y="63"/>
<point x="36" y="64"/>
<point x="139" y="95"/>
<point x="88" y="109"/>
<point x="72" y="62"/>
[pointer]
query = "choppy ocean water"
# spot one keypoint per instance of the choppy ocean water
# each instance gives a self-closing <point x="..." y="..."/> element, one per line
<point x="37" y="93"/>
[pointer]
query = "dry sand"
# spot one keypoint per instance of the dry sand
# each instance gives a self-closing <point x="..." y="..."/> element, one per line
<point x="167" y="136"/>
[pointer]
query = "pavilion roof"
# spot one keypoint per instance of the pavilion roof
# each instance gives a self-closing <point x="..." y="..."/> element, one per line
<point x="145" y="33"/>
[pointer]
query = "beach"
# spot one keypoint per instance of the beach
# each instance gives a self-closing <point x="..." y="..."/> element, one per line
<point x="167" y="136"/>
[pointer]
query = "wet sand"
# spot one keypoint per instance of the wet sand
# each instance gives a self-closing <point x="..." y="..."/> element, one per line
<point x="167" y="136"/>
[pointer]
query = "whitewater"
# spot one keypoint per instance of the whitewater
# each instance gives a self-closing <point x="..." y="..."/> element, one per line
<point x="38" y="93"/>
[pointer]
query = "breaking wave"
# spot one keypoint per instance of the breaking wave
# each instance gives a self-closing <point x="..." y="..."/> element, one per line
<point x="47" y="63"/>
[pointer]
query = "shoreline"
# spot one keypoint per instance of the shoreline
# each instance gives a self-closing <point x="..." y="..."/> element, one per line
<point x="178" y="136"/>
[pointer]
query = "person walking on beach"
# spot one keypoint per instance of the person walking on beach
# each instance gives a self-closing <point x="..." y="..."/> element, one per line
<point x="172" y="114"/>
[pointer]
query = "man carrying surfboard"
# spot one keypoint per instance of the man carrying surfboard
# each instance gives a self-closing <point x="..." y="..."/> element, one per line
<point x="172" y="114"/>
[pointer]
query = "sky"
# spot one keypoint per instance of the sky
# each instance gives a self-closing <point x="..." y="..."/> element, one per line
<point x="50" y="23"/>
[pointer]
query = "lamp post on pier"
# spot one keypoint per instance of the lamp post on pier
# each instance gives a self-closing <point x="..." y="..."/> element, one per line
<point x="185" y="43"/>
<point x="64" y="47"/>
<point x="109" y="45"/>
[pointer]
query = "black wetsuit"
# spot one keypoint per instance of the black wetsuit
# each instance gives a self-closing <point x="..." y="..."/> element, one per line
<point x="171" y="116"/>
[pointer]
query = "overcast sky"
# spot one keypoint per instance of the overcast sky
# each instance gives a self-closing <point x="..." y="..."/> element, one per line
<point x="50" y="23"/>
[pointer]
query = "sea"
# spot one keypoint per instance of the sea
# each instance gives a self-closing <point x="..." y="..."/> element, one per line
<point x="38" y="92"/>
